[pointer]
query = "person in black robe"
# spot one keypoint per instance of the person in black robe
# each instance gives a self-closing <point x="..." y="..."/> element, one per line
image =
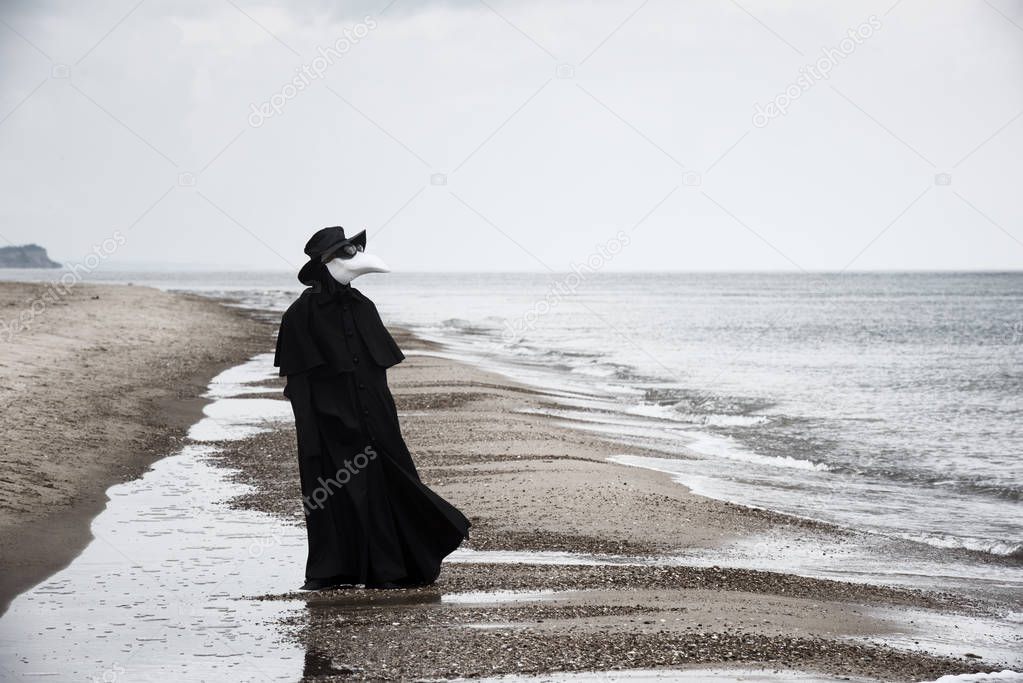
<point x="369" y="518"/>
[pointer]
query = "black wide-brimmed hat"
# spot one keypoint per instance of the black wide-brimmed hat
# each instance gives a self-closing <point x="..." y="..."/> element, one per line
<point x="322" y="246"/>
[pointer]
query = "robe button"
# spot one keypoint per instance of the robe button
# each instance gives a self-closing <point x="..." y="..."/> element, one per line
<point x="355" y="359"/>
<point x="365" y="411"/>
<point x="362" y="386"/>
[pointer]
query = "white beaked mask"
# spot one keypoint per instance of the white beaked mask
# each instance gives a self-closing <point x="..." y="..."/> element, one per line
<point x="344" y="270"/>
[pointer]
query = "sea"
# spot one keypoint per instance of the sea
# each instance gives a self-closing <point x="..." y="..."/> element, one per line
<point x="889" y="403"/>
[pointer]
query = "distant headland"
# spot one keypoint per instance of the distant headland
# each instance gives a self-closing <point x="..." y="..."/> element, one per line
<point x="27" y="256"/>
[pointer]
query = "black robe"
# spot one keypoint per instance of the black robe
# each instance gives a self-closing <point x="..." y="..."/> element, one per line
<point x="369" y="518"/>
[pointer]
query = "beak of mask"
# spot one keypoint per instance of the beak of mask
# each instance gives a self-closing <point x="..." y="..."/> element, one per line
<point x="344" y="270"/>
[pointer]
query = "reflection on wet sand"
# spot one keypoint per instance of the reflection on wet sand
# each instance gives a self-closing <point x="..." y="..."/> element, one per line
<point x="158" y="593"/>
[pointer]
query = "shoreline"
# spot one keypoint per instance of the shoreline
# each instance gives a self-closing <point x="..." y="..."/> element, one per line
<point x="531" y="486"/>
<point x="103" y="384"/>
<point x="542" y="497"/>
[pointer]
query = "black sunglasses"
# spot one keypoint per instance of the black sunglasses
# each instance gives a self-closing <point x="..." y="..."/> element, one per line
<point x="346" y="252"/>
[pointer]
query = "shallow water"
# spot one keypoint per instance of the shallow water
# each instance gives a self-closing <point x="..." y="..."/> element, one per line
<point x="696" y="674"/>
<point x="734" y="676"/>
<point x="839" y="562"/>
<point x="953" y="635"/>
<point x="159" y="594"/>
<point x="500" y="597"/>
<point x="866" y="560"/>
<point x="996" y="639"/>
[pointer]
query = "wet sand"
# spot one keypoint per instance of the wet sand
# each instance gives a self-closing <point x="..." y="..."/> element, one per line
<point x="102" y="382"/>
<point x="532" y="486"/>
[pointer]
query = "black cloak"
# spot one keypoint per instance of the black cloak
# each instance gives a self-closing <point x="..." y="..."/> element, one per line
<point x="369" y="518"/>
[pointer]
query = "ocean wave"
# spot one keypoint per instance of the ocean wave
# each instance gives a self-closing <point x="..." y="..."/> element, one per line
<point x="1005" y="549"/>
<point x="465" y="326"/>
<point x="602" y="370"/>
<point x="724" y="420"/>
<point x="976" y="486"/>
<point x="723" y="447"/>
<point x="1003" y="491"/>
<point x="655" y="411"/>
<point x="1005" y="676"/>
<point x="668" y="413"/>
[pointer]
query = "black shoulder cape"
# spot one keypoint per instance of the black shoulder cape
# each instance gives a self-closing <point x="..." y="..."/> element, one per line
<point x="311" y="334"/>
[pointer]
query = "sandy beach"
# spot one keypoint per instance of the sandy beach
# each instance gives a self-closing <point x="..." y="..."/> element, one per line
<point x="95" y="385"/>
<point x="574" y="563"/>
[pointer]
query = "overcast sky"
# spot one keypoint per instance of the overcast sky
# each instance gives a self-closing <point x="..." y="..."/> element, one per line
<point x="497" y="135"/>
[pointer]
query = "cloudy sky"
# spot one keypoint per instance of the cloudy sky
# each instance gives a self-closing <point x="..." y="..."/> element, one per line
<point x="499" y="135"/>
